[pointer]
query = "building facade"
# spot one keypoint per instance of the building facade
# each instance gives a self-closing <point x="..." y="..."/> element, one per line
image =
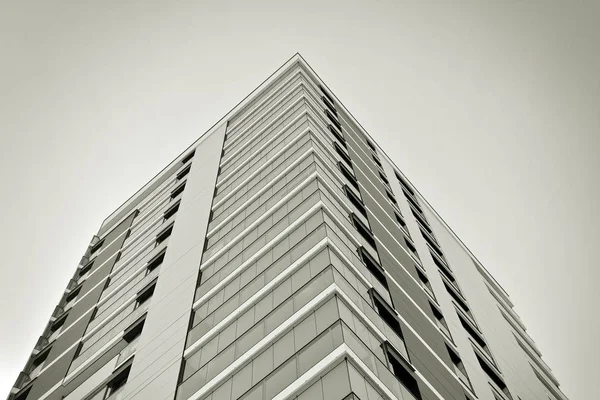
<point x="282" y="256"/>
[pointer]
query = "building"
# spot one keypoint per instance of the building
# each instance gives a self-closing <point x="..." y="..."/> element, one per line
<point x="283" y="255"/>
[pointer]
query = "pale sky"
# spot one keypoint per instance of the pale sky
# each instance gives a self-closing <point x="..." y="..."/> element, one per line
<point x="492" y="109"/>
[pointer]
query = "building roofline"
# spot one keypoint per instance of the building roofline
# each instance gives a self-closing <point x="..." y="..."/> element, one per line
<point x="297" y="58"/>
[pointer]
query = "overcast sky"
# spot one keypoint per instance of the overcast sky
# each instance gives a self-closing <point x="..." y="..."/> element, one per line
<point x="492" y="109"/>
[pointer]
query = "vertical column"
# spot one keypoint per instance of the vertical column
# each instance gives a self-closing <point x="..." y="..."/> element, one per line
<point x="157" y="362"/>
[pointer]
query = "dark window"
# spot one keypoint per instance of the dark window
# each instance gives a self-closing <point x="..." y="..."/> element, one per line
<point x="412" y="202"/>
<point x="41" y="358"/>
<point x="333" y="119"/>
<point x="459" y="367"/>
<point x="404" y="184"/>
<point x="421" y="219"/>
<point x="342" y="153"/>
<point x="445" y="271"/>
<point x="458" y="300"/>
<point x="441" y="321"/>
<point x="348" y="175"/>
<point x="58" y="323"/>
<point x="73" y="294"/>
<point x="337" y="134"/>
<point x="118" y="381"/>
<point x="134" y="330"/>
<point x="187" y="158"/>
<point x="493" y="376"/>
<point x="164" y="235"/>
<point x="171" y="211"/>
<point x="387" y="313"/>
<point x="402" y="371"/>
<point x="329" y="104"/>
<point x="363" y="230"/>
<point x="401" y="221"/>
<point x="371" y="145"/>
<point x="476" y="336"/>
<point x="384" y="179"/>
<point x="94" y="314"/>
<point x="183" y="172"/>
<point x="376" y="159"/>
<point x="356" y="202"/>
<point x="412" y="248"/>
<point x="391" y="197"/>
<point x="327" y="94"/>
<point x="85" y="269"/>
<point x="96" y="247"/>
<point x="23" y="395"/>
<point x="145" y="294"/>
<point x="433" y="245"/>
<point x="155" y="262"/>
<point x="425" y="282"/>
<point x="373" y="266"/>
<point x="177" y="191"/>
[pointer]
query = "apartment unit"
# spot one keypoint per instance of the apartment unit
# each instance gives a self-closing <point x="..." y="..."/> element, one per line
<point x="283" y="255"/>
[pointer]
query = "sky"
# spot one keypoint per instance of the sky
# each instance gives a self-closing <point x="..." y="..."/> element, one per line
<point x="491" y="108"/>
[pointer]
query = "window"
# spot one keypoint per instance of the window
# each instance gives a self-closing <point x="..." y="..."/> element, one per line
<point x="493" y="375"/>
<point x="155" y="262"/>
<point x="348" y="175"/>
<point x="58" y="324"/>
<point x="371" y="145"/>
<point x="164" y="235"/>
<point x="440" y="321"/>
<point x="23" y="395"/>
<point x="425" y="283"/>
<point x="444" y="269"/>
<point x="391" y="198"/>
<point x="412" y="248"/>
<point x="386" y="313"/>
<point x="404" y="183"/>
<point x="356" y="202"/>
<point x="177" y="191"/>
<point x="96" y="247"/>
<point x="412" y="201"/>
<point x="337" y="134"/>
<point x="376" y="159"/>
<point x="145" y="294"/>
<point x="433" y="246"/>
<point x="373" y="266"/>
<point x="329" y="105"/>
<point x="85" y="269"/>
<point x="476" y="336"/>
<point x="117" y="383"/>
<point x="459" y="367"/>
<point x="402" y="223"/>
<point x="342" y="154"/>
<point x="463" y="305"/>
<point x="327" y="94"/>
<point x="73" y="294"/>
<point x="181" y="174"/>
<point x="134" y="330"/>
<point x="187" y="158"/>
<point x="333" y="119"/>
<point x="402" y="370"/>
<point x="421" y="219"/>
<point x="41" y="358"/>
<point x="171" y="211"/>
<point x="363" y="230"/>
<point x="384" y="179"/>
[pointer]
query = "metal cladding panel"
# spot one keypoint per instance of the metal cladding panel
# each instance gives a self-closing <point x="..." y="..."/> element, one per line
<point x="156" y="364"/>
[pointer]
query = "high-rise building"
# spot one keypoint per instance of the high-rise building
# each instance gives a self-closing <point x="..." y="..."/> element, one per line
<point x="283" y="255"/>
